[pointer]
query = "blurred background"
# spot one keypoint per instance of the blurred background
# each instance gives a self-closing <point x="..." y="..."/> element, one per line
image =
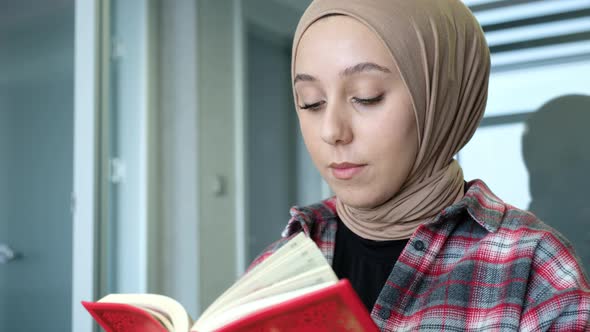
<point x="152" y="145"/>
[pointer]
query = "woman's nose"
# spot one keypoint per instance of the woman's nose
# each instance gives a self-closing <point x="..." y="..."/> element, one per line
<point x="336" y="127"/>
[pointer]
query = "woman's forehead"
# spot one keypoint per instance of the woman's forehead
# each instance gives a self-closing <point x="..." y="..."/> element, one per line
<point x="340" y="43"/>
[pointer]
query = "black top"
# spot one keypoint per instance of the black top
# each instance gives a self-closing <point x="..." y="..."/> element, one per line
<point x="365" y="263"/>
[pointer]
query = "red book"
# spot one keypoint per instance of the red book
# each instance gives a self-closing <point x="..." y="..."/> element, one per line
<point x="294" y="289"/>
<point x="333" y="308"/>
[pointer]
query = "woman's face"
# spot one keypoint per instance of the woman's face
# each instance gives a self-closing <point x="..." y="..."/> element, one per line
<point x="355" y="113"/>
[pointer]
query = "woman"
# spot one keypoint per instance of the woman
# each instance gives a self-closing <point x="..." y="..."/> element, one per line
<point x="387" y="92"/>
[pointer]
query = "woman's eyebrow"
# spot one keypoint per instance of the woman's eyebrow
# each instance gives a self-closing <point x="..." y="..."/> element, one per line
<point x="356" y="69"/>
<point x="362" y="67"/>
<point x="304" y="78"/>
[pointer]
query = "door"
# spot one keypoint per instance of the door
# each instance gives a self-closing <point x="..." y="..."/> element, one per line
<point x="36" y="147"/>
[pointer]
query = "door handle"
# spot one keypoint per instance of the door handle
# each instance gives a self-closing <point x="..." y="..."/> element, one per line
<point x="7" y="254"/>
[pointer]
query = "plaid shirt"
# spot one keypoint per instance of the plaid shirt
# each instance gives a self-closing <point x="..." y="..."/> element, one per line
<point x="479" y="265"/>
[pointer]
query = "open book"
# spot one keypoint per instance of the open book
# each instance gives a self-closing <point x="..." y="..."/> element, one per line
<point x="294" y="289"/>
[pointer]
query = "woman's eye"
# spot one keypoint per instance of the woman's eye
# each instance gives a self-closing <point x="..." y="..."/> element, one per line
<point x="362" y="101"/>
<point x="312" y="107"/>
<point x="368" y="101"/>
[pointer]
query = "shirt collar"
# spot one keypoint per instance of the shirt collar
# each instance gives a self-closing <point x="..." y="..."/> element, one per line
<point x="481" y="204"/>
<point x="307" y="218"/>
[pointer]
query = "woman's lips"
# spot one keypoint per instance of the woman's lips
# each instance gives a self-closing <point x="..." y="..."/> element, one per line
<point x="345" y="171"/>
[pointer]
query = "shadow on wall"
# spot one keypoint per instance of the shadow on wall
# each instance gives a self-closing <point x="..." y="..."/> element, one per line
<point x="556" y="151"/>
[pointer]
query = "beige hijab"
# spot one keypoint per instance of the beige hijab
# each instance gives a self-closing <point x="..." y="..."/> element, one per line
<point x="440" y="50"/>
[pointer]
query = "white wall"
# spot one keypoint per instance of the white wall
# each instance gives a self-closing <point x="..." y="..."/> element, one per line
<point x="202" y="148"/>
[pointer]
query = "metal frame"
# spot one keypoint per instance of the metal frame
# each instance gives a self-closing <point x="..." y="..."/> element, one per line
<point x="240" y="137"/>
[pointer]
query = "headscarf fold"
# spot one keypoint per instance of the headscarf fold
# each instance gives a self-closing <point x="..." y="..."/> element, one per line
<point x="441" y="53"/>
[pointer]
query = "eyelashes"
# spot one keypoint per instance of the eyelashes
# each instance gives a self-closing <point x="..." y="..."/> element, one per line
<point x="369" y="101"/>
<point x="313" y="106"/>
<point x="360" y="101"/>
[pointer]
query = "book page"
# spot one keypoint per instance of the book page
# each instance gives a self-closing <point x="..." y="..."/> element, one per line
<point x="294" y="266"/>
<point x="300" y="261"/>
<point x="166" y="306"/>
<point x="241" y="286"/>
<point x="316" y="276"/>
<point x="245" y="309"/>
<point x="294" y="260"/>
<point x="163" y="318"/>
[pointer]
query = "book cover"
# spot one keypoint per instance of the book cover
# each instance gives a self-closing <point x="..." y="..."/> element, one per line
<point x="333" y="308"/>
<point x="294" y="289"/>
